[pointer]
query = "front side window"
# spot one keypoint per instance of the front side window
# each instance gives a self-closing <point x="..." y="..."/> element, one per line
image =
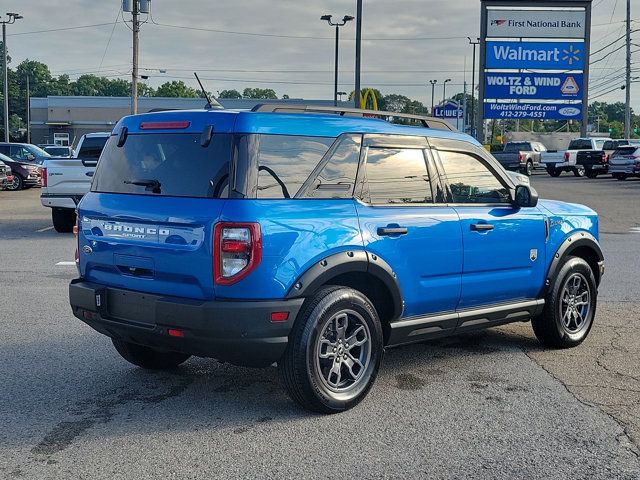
<point x="396" y="176"/>
<point x="163" y="164"/>
<point x="471" y="181"/>
<point x="286" y="161"/>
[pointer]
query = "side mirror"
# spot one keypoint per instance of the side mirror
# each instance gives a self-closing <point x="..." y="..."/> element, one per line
<point x="525" y="196"/>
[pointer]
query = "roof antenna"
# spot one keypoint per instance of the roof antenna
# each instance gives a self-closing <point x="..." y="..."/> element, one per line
<point x="204" y="92"/>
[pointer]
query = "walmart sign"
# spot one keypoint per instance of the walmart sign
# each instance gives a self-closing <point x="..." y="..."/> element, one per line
<point x="535" y="55"/>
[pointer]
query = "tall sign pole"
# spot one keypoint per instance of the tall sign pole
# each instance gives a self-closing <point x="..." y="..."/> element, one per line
<point x="627" y="107"/>
<point x="6" y="82"/>
<point x="356" y="92"/>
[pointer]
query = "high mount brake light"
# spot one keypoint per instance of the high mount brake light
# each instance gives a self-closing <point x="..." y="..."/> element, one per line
<point x="164" y="125"/>
<point x="237" y="251"/>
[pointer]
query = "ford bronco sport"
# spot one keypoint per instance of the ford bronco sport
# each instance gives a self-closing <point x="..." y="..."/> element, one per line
<point x="315" y="241"/>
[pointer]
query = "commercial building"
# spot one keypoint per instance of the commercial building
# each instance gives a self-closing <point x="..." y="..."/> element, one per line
<point x="65" y="119"/>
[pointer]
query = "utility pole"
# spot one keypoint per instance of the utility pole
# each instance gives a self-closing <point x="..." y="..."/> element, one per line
<point x="433" y="88"/>
<point x="473" y="84"/>
<point x="11" y="18"/>
<point x="345" y="19"/>
<point x="28" y="111"/>
<point x="356" y="93"/>
<point x="627" y="109"/>
<point x="136" y="45"/>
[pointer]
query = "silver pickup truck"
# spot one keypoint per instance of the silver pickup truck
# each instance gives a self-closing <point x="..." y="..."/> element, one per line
<point x="66" y="180"/>
<point x="558" y="161"/>
<point x="520" y="156"/>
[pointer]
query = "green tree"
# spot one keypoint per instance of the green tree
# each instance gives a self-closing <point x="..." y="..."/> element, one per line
<point x="229" y="94"/>
<point x="176" y="88"/>
<point x="145" y="90"/>
<point x="260" y="93"/>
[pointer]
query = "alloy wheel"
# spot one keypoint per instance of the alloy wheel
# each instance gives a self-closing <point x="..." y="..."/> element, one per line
<point x="575" y="305"/>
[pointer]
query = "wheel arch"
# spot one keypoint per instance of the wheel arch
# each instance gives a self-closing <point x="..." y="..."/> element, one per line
<point x="362" y="271"/>
<point x="579" y="244"/>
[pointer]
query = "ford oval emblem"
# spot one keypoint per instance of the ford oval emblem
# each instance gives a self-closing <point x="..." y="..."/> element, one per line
<point x="87" y="249"/>
<point x="569" y="111"/>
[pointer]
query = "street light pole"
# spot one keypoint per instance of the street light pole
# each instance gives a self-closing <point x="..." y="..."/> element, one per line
<point x="11" y="18"/>
<point x="345" y="19"/>
<point x="473" y="85"/>
<point x="444" y="90"/>
<point x="433" y="88"/>
<point x="356" y="93"/>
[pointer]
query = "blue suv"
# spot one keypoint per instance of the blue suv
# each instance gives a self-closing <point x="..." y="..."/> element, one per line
<point x="315" y="241"/>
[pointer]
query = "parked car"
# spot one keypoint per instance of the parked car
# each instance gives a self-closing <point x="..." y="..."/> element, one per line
<point x="23" y="152"/>
<point x="66" y="180"/>
<point x="24" y="175"/>
<point x="58" y="150"/>
<point x="521" y="156"/>
<point x="316" y="241"/>
<point x="557" y="162"/>
<point x="625" y="162"/>
<point x="6" y="177"/>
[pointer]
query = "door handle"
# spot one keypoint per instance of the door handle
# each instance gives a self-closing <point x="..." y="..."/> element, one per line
<point x="481" y="227"/>
<point x="382" y="231"/>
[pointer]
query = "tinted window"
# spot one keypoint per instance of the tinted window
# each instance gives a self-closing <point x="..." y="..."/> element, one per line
<point x="336" y="176"/>
<point x="18" y="152"/>
<point x="396" y="176"/>
<point x="580" y="144"/>
<point x="165" y="165"/>
<point x="609" y="145"/>
<point x="285" y="163"/>
<point x="92" y="147"/>
<point x="471" y="181"/>
<point x="517" y="146"/>
<point x="58" y="151"/>
<point x="4" y="149"/>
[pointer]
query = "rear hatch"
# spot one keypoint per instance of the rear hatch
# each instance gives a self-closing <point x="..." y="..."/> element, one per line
<point x="625" y="156"/>
<point x="159" y="188"/>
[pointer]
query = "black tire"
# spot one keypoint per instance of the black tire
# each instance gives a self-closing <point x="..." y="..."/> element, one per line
<point x="621" y="176"/>
<point x="551" y="326"/>
<point x="592" y="174"/>
<point x="147" y="357"/>
<point x="528" y="169"/>
<point x="63" y="219"/>
<point x="554" y="172"/>
<point x="308" y="371"/>
<point x="17" y="184"/>
<point x="579" y="171"/>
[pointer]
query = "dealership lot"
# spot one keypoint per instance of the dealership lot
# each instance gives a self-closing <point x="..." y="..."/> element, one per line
<point x="491" y="404"/>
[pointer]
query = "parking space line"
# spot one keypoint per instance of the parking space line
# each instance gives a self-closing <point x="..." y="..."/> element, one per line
<point x="44" y="229"/>
<point x="635" y="230"/>
<point x="65" y="264"/>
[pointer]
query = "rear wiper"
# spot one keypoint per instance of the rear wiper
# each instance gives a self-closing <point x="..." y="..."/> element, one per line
<point x="150" y="185"/>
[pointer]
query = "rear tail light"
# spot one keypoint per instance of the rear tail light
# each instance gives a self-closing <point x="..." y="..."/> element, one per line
<point x="520" y="157"/>
<point x="237" y="251"/>
<point x="605" y="157"/>
<point x="43" y="171"/>
<point x="567" y="156"/>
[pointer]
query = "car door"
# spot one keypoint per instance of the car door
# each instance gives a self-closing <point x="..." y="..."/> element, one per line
<point x="403" y="225"/>
<point x="504" y="246"/>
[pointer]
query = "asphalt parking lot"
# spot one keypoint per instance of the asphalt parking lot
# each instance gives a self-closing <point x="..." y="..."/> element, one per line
<point x="487" y="405"/>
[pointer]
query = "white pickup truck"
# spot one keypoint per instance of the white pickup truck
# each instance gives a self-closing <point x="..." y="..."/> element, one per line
<point x="558" y="161"/>
<point x="66" y="180"/>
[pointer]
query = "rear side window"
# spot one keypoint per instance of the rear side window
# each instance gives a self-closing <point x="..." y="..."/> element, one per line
<point x="285" y="163"/>
<point x="396" y="176"/>
<point x="165" y="165"/>
<point x="91" y="148"/>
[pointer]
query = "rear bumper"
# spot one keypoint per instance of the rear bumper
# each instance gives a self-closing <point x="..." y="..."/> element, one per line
<point x="241" y="333"/>
<point x="628" y="169"/>
<point x="60" y="201"/>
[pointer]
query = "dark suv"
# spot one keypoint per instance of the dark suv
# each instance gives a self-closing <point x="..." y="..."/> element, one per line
<point x="316" y="241"/>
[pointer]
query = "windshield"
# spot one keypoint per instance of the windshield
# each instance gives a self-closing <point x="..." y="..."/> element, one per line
<point x="517" y="146"/>
<point x="165" y="165"/>
<point x="37" y="151"/>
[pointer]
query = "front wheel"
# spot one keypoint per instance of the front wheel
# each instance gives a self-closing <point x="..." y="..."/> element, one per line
<point x="579" y="171"/>
<point x="334" y="351"/>
<point x="147" y="357"/>
<point x="570" y="306"/>
<point x="592" y="174"/>
<point x="17" y="184"/>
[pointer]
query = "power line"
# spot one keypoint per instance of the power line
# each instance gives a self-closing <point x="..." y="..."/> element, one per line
<point x="110" y="37"/>
<point x="61" y="29"/>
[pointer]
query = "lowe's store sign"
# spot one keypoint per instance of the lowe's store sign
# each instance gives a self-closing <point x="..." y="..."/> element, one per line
<point x="535" y="55"/>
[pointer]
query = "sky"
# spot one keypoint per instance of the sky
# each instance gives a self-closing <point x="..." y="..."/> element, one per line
<point x="283" y="44"/>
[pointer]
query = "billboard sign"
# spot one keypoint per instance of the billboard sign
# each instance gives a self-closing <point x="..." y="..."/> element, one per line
<point x="448" y="110"/>
<point x="535" y="111"/>
<point x="535" y="55"/>
<point x="533" y="86"/>
<point x="536" y="23"/>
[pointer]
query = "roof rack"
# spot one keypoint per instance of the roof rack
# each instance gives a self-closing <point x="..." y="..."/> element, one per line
<point x="427" y="122"/>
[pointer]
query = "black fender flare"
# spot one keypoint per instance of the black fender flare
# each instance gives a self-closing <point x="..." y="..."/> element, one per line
<point x="349" y="261"/>
<point x="569" y="245"/>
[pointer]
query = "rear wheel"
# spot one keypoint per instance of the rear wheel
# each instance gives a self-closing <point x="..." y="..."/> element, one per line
<point x="334" y="351"/>
<point x="63" y="219"/>
<point x="147" y="357"/>
<point x="620" y="176"/>
<point x="569" y="308"/>
<point x="528" y="169"/>
<point x="17" y="184"/>
<point x="592" y="173"/>
<point x="579" y="171"/>
<point x="554" y="172"/>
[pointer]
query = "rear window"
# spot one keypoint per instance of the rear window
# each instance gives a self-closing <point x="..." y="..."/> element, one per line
<point x="580" y="145"/>
<point x="172" y="165"/>
<point x="627" y="151"/>
<point x="57" y="151"/>
<point x="517" y="146"/>
<point x="91" y="148"/>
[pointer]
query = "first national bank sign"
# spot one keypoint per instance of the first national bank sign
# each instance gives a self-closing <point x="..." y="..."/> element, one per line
<point x="536" y="23"/>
